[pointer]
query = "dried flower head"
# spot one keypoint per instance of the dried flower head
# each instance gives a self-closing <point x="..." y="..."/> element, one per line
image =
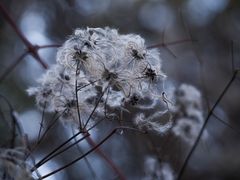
<point x="97" y="61"/>
<point x="187" y="113"/>
<point x="155" y="170"/>
<point x="186" y="129"/>
<point x="188" y="97"/>
<point x="13" y="166"/>
<point x="153" y="122"/>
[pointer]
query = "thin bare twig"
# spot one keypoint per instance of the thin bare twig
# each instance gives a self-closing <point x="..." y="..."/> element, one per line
<point x="199" y="59"/>
<point x="232" y="56"/>
<point x="21" y="57"/>
<point x="225" y="123"/>
<point x="56" y="152"/>
<point x="12" y="66"/>
<point x="30" y="47"/>
<point x="106" y="158"/>
<point x="76" y="94"/>
<point x="14" y="123"/>
<point x="95" y="107"/>
<point x="41" y="124"/>
<point x="88" y="164"/>
<point x="185" y="163"/>
<point x="48" y="46"/>
<point x="44" y="134"/>
<point x="170" y="43"/>
<point x="88" y="152"/>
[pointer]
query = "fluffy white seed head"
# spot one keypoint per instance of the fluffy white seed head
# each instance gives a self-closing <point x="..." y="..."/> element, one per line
<point x="13" y="166"/>
<point x="153" y="122"/>
<point x="187" y="113"/>
<point x="155" y="170"/>
<point x="104" y="55"/>
<point x="93" y="61"/>
<point x="186" y="129"/>
<point x="188" y="96"/>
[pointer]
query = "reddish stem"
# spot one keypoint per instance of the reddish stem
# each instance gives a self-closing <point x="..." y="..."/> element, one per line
<point x="49" y="46"/>
<point x="13" y="24"/>
<point x="96" y="146"/>
<point x="30" y="47"/>
<point x="106" y="158"/>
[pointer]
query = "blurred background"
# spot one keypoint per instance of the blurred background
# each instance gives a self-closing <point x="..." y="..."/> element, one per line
<point x="199" y="45"/>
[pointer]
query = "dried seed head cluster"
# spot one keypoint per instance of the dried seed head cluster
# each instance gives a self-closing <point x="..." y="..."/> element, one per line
<point x="154" y="170"/>
<point x="153" y="122"/>
<point x="188" y="113"/>
<point x="97" y="61"/>
<point x="13" y="166"/>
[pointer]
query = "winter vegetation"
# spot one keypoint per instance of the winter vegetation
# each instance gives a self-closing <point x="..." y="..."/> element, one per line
<point x="143" y="94"/>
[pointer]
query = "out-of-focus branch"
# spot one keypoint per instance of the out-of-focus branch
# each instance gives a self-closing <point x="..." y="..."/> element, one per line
<point x="170" y="43"/>
<point x="12" y="66"/>
<point x="106" y="158"/>
<point x="49" y="46"/>
<point x="58" y="151"/>
<point x="21" y="57"/>
<point x="33" y="50"/>
<point x="180" y="174"/>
